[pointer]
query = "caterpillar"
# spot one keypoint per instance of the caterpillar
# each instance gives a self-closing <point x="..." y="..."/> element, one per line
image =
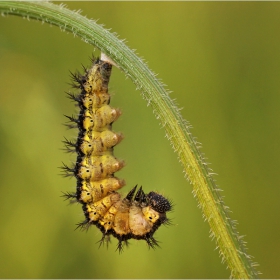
<point x="137" y="215"/>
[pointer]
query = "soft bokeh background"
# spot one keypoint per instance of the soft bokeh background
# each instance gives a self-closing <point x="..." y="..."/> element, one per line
<point x="222" y="63"/>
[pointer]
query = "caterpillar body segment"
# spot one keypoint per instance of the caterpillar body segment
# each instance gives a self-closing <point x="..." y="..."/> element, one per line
<point x="96" y="190"/>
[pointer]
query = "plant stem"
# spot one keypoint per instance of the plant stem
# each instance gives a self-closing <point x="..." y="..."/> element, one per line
<point x="231" y="245"/>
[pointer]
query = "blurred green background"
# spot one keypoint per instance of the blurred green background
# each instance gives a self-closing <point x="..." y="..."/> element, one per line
<point x="222" y="63"/>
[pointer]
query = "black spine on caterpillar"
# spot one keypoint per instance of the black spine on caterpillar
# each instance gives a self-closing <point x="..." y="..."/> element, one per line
<point x="133" y="217"/>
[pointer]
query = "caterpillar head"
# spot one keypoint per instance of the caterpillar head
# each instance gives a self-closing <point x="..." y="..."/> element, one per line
<point x="158" y="202"/>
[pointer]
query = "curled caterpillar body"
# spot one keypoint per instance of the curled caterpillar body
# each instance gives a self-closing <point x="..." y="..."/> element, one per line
<point x="137" y="216"/>
<point x="128" y="218"/>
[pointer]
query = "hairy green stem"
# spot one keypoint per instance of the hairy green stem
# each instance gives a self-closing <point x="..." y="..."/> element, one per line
<point x="230" y="244"/>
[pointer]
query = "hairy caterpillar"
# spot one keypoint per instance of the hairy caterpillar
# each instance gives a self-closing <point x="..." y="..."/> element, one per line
<point x="136" y="216"/>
